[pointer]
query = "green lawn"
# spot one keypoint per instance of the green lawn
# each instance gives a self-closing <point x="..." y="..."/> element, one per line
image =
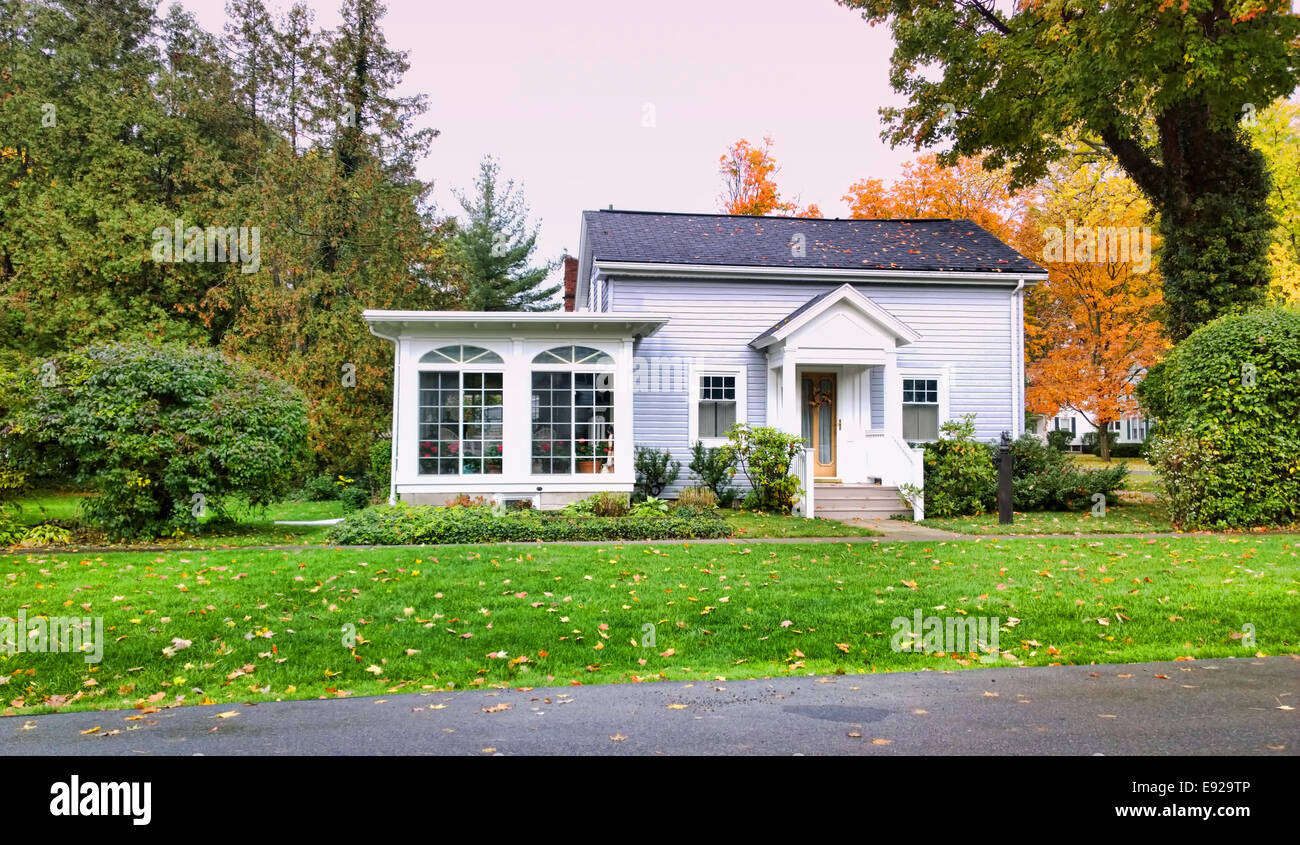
<point x="264" y="625"/>
<point x="753" y="524"/>
<point x="1126" y="518"/>
<point x="1089" y="461"/>
<point x="252" y="527"/>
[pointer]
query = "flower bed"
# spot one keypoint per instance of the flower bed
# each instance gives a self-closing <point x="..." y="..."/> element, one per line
<point x="413" y="525"/>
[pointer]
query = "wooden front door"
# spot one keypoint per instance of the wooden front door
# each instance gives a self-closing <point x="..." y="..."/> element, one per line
<point x="820" y="420"/>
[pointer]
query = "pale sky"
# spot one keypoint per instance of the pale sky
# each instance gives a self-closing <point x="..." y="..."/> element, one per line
<point x="558" y="91"/>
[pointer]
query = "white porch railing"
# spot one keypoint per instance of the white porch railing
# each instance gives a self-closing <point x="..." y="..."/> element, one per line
<point x="802" y="465"/>
<point x="890" y="459"/>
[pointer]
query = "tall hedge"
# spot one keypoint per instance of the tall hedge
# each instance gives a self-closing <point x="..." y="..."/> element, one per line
<point x="162" y="433"/>
<point x="1228" y="404"/>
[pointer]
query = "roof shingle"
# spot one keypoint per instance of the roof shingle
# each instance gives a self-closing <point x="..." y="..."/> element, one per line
<point x="923" y="244"/>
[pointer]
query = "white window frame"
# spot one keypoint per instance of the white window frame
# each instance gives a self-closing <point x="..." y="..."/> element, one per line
<point x="942" y="377"/>
<point x="610" y="369"/>
<point x="461" y="370"/>
<point x="741" y="374"/>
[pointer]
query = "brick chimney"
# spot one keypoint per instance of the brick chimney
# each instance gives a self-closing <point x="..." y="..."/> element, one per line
<point x="570" y="282"/>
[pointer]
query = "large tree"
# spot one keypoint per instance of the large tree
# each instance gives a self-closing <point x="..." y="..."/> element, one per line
<point x="1094" y="330"/>
<point x="1276" y="133"/>
<point x="1160" y="85"/>
<point x="496" y="242"/>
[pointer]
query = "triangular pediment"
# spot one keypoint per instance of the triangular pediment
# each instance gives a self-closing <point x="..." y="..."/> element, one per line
<point x="841" y="317"/>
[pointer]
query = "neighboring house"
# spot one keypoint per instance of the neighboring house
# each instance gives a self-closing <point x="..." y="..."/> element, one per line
<point x="864" y="336"/>
<point x="1131" y="429"/>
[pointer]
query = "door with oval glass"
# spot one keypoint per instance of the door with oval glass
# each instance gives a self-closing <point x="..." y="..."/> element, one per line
<point x="820" y="420"/>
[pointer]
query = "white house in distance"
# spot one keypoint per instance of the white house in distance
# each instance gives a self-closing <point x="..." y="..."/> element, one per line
<point x="863" y="336"/>
<point x="1132" y="429"/>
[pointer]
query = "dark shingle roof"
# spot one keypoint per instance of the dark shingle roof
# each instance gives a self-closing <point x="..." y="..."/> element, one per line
<point x="923" y="244"/>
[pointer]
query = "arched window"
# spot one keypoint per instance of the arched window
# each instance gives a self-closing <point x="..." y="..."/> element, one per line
<point x="573" y="411"/>
<point x="574" y="355"/>
<point x="461" y="412"/>
<point x="461" y="355"/>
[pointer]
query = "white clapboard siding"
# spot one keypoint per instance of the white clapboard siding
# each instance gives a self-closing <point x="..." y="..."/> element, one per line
<point x="967" y="329"/>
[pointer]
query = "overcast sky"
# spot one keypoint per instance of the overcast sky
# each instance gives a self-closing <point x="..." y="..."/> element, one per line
<point x="560" y="91"/>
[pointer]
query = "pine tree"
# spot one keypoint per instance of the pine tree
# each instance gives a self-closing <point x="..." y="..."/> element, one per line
<point x="496" y="242"/>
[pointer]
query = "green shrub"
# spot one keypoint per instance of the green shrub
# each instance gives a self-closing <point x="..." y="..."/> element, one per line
<point x="404" y="524"/>
<point x="715" y="468"/>
<point x="381" y="465"/>
<point x="11" y="531"/>
<point x="1060" y="439"/>
<point x="765" y="455"/>
<point x="320" y="488"/>
<point x="1045" y="479"/>
<point x="1226" y="400"/>
<point x="162" y="433"/>
<point x="650" y="507"/>
<point x="655" y="470"/>
<point x="354" y="498"/>
<point x="697" y="497"/>
<point x="47" y="535"/>
<point x="1126" y="450"/>
<point x="604" y="503"/>
<point x="959" y="479"/>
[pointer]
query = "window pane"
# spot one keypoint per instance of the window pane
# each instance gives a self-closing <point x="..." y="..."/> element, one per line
<point x="573" y="421"/>
<point x="824" y="433"/>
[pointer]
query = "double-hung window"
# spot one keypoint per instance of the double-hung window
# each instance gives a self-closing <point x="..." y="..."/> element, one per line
<point x="716" y="410"/>
<point x="920" y="409"/>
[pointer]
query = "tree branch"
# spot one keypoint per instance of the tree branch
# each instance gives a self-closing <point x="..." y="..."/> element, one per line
<point x="988" y="15"/>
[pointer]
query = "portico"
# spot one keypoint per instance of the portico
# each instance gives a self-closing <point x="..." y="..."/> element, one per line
<point x="832" y="368"/>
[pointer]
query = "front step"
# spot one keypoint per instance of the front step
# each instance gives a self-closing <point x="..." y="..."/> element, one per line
<point x="857" y="501"/>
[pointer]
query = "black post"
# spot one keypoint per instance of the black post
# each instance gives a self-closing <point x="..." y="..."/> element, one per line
<point x="1005" y="516"/>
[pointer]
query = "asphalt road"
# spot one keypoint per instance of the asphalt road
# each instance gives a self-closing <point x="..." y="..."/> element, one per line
<point x="1233" y="706"/>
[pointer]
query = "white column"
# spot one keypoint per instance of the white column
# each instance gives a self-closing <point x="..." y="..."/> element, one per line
<point x="893" y="396"/>
<point x="624" y="435"/>
<point x="790" y="421"/>
<point x="398" y="352"/>
<point x="517" y="429"/>
<point x="772" y="412"/>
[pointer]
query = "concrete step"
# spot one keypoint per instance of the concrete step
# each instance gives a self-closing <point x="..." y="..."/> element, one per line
<point x="846" y="515"/>
<point x="853" y="492"/>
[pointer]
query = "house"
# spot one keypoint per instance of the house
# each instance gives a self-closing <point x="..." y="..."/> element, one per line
<point x="864" y="336"/>
<point x="1132" y="429"/>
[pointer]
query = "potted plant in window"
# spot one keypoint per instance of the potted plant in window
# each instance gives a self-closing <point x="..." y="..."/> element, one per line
<point x="585" y="451"/>
<point x="594" y="455"/>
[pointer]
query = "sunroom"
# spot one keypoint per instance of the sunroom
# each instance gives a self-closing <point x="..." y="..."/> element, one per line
<point x="507" y="405"/>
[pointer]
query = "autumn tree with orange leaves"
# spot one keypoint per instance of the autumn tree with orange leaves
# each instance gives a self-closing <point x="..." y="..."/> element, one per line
<point x="926" y="188"/>
<point x="748" y="186"/>
<point x="1093" y="328"/>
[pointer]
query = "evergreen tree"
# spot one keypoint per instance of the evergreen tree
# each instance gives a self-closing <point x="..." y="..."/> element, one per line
<point x="496" y="242"/>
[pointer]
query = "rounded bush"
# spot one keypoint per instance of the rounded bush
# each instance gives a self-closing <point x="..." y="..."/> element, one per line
<point x="163" y="433"/>
<point x="1227" y="399"/>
